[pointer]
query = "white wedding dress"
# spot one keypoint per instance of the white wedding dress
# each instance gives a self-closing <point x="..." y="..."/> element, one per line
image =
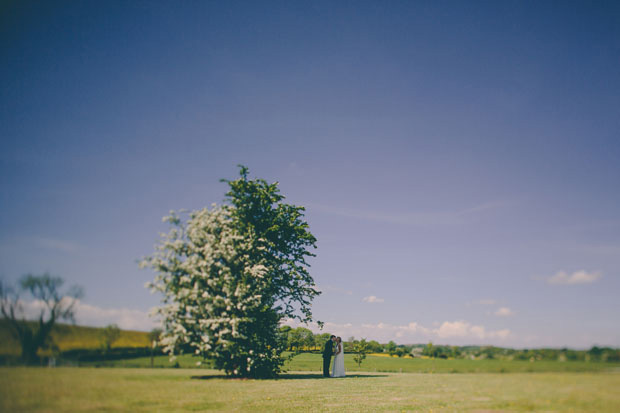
<point x="338" y="368"/>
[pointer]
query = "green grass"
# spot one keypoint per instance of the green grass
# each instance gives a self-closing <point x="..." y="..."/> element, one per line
<point x="146" y="390"/>
<point x="183" y="361"/>
<point x="309" y="362"/>
<point x="313" y="362"/>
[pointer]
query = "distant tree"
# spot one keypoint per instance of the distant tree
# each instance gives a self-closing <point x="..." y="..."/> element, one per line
<point x="375" y="347"/>
<point x="430" y="350"/>
<point x="310" y="341"/>
<point x="307" y="338"/>
<point x="391" y="348"/>
<point x="300" y="338"/>
<point x="360" y="350"/>
<point x="401" y="351"/>
<point x="109" y="335"/>
<point x="455" y="352"/>
<point x="349" y="345"/>
<point x="284" y="332"/>
<point x="614" y="355"/>
<point x="50" y="303"/>
<point x="154" y="337"/>
<point x="595" y="353"/>
<point x="293" y="339"/>
<point x="442" y="352"/>
<point x="489" y="352"/>
<point x="320" y="339"/>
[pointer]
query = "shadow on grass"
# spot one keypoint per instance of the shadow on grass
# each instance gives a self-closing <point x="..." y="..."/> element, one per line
<point x="290" y="376"/>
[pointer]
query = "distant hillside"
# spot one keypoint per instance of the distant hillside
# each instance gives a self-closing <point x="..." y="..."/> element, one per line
<point x="69" y="337"/>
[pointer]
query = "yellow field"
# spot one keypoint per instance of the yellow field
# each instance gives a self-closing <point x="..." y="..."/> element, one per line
<point x="69" y="337"/>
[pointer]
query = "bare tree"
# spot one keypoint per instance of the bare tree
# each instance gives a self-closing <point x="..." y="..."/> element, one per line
<point x="50" y="304"/>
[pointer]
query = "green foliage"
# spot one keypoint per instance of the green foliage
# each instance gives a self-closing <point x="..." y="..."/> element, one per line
<point x="375" y="346"/>
<point x="430" y="350"/>
<point x="154" y="337"/>
<point x="300" y="338"/>
<point x="109" y="335"/>
<point x="283" y="242"/>
<point x="433" y="351"/>
<point x="231" y="274"/>
<point x="360" y="350"/>
<point x="391" y="348"/>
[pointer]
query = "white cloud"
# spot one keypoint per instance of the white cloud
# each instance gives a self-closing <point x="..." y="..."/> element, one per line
<point x="578" y="277"/>
<point x="502" y="334"/>
<point x="453" y="329"/>
<point x="125" y="318"/>
<point x="504" y="312"/>
<point x="56" y="244"/>
<point x="91" y="315"/>
<point x="373" y="299"/>
<point x="463" y="329"/>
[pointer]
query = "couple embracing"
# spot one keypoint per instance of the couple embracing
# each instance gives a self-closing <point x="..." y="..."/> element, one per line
<point x="333" y="346"/>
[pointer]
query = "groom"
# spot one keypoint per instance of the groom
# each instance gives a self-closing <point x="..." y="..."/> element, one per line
<point x="328" y="351"/>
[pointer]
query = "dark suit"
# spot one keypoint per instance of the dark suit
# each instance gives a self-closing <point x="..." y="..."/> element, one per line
<point x="328" y="351"/>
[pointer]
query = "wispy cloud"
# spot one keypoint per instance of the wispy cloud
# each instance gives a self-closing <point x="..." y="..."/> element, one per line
<point x="578" y="277"/>
<point x="372" y="299"/>
<point x="504" y="312"/>
<point x="56" y="244"/>
<point x="411" y="218"/>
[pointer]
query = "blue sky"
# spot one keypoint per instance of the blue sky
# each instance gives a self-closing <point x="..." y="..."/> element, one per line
<point x="458" y="161"/>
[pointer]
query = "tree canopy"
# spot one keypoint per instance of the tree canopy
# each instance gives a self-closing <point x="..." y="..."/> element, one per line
<point x="231" y="273"/>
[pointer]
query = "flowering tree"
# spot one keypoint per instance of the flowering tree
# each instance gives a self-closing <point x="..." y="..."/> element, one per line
<point x="230" y="274"/>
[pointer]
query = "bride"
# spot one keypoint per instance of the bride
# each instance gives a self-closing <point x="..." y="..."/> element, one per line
<point x="338" y="369"/>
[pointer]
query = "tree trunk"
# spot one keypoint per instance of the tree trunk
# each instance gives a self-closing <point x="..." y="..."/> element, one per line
<point x="29" y="349"/>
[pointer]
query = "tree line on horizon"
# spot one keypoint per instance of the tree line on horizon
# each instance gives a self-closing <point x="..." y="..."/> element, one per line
<point x="302" y="339"/>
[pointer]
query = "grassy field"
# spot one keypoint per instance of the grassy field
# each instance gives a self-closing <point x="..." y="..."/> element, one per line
<point x="147" y="390"/>
<point x="309" y="362"/>
<point x="313" y="362"/>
